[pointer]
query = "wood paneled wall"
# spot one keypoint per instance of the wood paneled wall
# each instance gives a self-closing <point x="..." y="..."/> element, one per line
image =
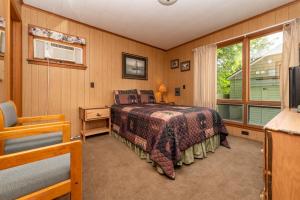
<point x="10" y="10"/>
<point x="175" y="78"/>
<point x="2" y="11"/>
<point x="17" y="4"/>
<point x="59" y="90"/>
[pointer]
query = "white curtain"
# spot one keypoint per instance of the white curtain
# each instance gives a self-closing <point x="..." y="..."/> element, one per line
<point x="205" y="71"/>
<point x="290" y="57"/>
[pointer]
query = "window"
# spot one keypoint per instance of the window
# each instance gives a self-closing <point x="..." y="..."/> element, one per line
<point x="248" y="79"/>
<point x="259" y="115"/>
<point x="265" y="60"/>
<point x="231" y="112"/>
<point x="229" y="69"/>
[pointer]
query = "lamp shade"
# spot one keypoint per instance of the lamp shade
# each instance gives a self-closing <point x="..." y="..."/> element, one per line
<point x="162" y="88"/>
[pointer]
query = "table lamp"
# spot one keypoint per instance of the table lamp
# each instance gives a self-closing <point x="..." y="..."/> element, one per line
<point x="162" y="89"/>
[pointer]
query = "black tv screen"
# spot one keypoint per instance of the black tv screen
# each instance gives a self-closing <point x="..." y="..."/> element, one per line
<point x="294" y="85"/>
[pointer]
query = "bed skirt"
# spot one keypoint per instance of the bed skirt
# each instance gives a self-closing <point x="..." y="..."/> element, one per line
<point x="198" y="151"/>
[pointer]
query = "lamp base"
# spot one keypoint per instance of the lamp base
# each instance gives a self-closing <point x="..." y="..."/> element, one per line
<point x="162" y="98"/>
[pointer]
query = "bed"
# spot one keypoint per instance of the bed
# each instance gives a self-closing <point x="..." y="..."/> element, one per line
<point x="166" y="132"/>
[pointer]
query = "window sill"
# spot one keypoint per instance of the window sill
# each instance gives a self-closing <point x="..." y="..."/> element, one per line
<point x="57" y="64"/>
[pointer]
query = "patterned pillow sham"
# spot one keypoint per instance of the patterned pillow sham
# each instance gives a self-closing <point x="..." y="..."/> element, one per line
<point x="146" y="96"/>
<point x="126" y="97"/>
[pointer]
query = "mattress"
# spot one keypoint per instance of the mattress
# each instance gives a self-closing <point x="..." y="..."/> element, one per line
<point x="165" y="131"/>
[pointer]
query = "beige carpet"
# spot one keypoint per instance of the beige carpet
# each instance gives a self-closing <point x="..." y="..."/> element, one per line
<point x="113" y="171"/>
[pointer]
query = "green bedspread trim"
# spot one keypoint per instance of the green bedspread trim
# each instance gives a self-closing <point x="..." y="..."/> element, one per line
<point x="198" y="151"/>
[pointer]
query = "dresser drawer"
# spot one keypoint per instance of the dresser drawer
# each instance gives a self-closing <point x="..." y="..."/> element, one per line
<point x="96" y="113"/>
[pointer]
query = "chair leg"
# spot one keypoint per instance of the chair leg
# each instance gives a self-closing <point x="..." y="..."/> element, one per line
<point x="76" y="172"/>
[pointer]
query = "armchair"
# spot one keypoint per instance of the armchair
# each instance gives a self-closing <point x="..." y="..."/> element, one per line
<point x="43" y="173"/>
<point x="10" y="121"/>
<point x="16" y="135"/>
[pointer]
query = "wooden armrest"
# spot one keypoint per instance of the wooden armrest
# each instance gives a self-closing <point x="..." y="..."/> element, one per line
<point x="29" y="156"/>
<point x="38" y="130"/>
<point x="73" y="185"/>
<point x="33" y="125"/>
<point x="41" y="118"/>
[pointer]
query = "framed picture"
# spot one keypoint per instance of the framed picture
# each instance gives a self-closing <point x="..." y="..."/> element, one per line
<point x="134" y="67"/>
<point x="185" y="66"/>
<point x="174" y="63"/>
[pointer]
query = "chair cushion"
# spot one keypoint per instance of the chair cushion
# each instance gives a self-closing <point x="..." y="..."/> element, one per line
<point x="26" y="179"/>
<point x="32" y="142"/>
<point x="146" y="96"/>
<point x="126" y="97"/>
<point x="9" y="113"/>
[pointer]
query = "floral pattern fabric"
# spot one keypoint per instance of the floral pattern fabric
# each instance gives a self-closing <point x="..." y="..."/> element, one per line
<point x="46" y="33"/>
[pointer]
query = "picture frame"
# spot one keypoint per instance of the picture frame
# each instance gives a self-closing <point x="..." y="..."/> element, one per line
<point x="134" y="67"/>
<point x="174" y="63"/>
<point x="185" y="66"/>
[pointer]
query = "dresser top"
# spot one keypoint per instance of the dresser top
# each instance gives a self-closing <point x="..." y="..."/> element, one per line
<point x="287" y="121"/>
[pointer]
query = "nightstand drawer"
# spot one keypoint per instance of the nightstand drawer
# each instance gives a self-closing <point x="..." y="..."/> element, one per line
<point x="96" y="113"/>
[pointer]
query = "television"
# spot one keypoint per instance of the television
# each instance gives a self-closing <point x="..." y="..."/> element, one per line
<point x="294" y="85"/>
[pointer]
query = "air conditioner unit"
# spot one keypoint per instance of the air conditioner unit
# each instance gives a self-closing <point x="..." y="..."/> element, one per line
<point x="44" y="49"/>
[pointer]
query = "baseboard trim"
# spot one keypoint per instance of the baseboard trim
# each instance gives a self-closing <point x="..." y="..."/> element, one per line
<point x="253" y="135"/>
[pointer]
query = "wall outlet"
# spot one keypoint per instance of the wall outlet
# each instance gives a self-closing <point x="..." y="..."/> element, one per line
<point x="177" y="92"/>
<point x="92" y="85"/>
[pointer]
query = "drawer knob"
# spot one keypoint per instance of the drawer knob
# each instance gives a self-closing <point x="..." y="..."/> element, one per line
<point x="98" y="114"/>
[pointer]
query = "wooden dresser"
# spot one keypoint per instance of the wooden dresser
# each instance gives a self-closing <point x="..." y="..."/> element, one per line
<point x="282" y="157"/>
<point x="95" y="120"/>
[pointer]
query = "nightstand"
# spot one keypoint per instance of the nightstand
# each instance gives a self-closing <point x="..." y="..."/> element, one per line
<point x="95" y="120"/>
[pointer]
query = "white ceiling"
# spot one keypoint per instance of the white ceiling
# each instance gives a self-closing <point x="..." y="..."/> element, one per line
<point x="150" y="22"/>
